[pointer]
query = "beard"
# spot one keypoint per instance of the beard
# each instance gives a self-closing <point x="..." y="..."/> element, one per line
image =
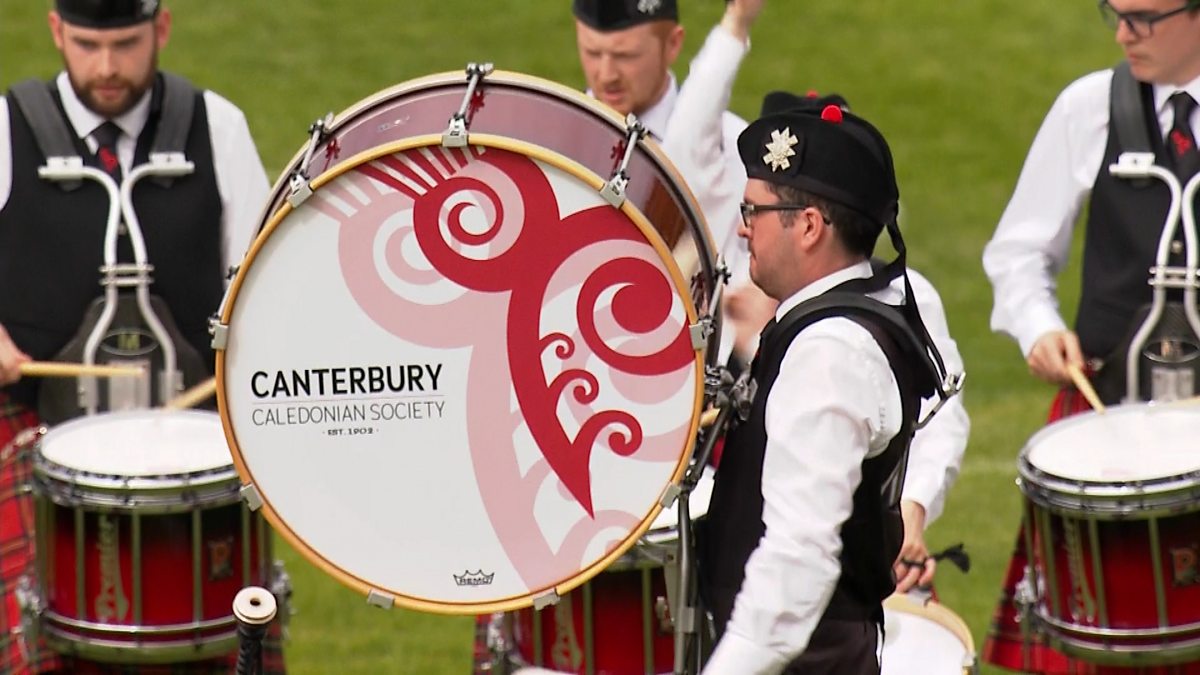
<point x="108" y="107"/>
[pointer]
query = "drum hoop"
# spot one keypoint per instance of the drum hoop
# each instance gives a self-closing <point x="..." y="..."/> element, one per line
<point x="509" y="78"/>
<point x="937" y="613"/>
<point x="362" y="585"/>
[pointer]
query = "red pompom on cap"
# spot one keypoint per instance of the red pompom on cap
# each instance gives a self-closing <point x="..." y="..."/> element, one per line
<point x="832" y="113"/>
<point x="812" y="93"/>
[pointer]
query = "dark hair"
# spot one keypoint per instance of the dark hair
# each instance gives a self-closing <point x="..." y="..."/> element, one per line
<point x="857" y="232"/>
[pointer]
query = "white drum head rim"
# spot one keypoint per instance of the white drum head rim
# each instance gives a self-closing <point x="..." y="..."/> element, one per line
<point x="1135" y="444"/>
<point x="141" y="448"/>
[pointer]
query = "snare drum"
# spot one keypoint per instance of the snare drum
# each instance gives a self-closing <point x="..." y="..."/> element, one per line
<point x="459" y="379"/>
<point x="142" y="539"/>
<point x="925" y="637"/>
<point x="1114" y="530"/>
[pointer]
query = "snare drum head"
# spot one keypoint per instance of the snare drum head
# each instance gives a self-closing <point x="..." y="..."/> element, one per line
<point x="458" y="378"/>
<point x="924" y="634"/>
<point x="142" y="443"/>
<point x="1135" y="442"/>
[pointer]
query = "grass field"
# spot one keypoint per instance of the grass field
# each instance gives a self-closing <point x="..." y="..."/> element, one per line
<point x="958" y="88"/>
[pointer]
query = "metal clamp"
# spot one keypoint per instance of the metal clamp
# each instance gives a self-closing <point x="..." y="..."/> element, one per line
<point x="546" y="599"/>
<point x="252" y="497"/>
<point x="299" y="187"/>
<point x="219" y="332"/>
<point x="455" y="135"/>
<point x="613" y="191"/>
<point x="380" y="599"/>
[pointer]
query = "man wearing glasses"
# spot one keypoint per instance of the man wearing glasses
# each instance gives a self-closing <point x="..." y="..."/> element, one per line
<point x="1068" y="163"/>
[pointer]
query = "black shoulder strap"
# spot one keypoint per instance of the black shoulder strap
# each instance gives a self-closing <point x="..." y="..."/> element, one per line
<point x="1126" y="112"/>
<point x="925" y="372"/>
<point x="175" y="119"/>
<point x="50" y="129"/>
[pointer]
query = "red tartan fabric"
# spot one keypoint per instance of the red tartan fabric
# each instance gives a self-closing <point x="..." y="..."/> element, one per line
<point x="1004" y="645"/>
<point x="17" y="558"/>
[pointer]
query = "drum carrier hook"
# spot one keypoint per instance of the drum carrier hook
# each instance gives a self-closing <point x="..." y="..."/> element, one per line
<point x="123" y="219"/>
<point x="1139" y="166"/>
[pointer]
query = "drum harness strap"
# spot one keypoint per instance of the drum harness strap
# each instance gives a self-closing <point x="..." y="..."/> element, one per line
<point x="55" y="138"/>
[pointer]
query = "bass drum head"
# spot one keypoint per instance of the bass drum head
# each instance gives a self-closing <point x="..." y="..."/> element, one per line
<point x="458" y="379"/>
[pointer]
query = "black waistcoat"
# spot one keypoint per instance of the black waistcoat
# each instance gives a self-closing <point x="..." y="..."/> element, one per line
<point x="1125" y="222"/>
<point x="871" y="538"/>
<point x="51" y="242"/>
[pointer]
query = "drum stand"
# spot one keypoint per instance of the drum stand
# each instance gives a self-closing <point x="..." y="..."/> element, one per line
<point x="731" y="398"/>
<point x="1167" y="383"/>
<point x="122" y="275"/>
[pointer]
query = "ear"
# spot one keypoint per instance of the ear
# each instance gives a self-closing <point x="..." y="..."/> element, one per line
<point x="162" y="27"/>
<point x="56" y="29"/>
<point x="674" y="43"/>
<point x="811" y="229"/>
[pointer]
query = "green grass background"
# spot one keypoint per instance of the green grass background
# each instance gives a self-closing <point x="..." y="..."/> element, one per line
<point x="958" y="87"/>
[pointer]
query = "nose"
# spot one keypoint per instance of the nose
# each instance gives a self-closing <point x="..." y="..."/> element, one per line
<point x="106" y="63"/>
<point x="743" y="229"/>
<point x="606" y="71"/>
<point x="1125" y="34"/>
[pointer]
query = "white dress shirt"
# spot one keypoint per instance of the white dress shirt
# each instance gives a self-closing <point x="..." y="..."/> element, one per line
<point x="241" y="179"/>
<point x="834" y="404"/>
<point x="1033" y="239"/>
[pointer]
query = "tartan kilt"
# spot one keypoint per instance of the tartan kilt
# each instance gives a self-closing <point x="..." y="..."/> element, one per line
<point x="18" y="558"/>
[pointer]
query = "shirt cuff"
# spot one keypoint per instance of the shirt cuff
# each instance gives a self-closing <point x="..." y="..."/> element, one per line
<point x="735" y="655"/>
<point x="1037" y="323"/>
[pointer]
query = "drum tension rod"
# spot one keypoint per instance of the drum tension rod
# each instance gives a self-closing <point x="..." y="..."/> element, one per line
<point x="299" y="187"/>
<point x="614" y="190"/>
<point x="455" y="135"/>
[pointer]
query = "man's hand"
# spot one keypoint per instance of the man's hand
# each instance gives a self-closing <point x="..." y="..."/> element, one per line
<point x="913" y="567"/>
<point x="747" y="310"/>
<point x="1052" y="353"/>
<point x="740" y="16"/>
<point x="11" y="359"/>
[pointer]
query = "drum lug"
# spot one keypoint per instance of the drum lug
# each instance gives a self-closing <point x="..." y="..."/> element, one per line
<point x="380" y="599"/>
<point x="455" y="135"/>
<point x="219" y="332"/>
<point x="252" y="497"/>
<point x="700" y="332"/>
<point x="669" y="495"/>
<point x="613" y="191"/>
<point x="300" y="190"/>
<point x="544" y="600"/>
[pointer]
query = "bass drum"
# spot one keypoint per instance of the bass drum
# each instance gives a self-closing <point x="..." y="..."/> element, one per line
<point x="458" y="378"/>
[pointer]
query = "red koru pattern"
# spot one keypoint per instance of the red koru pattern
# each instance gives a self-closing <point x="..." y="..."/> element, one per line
<point x="520" y="265"/>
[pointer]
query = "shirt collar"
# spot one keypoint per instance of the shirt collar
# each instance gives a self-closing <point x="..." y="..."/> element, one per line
<point x="84" y="121"/>
<point x="1162" y="92"/>
<point x="861" y="270"/>
<point x="655" y="118"/>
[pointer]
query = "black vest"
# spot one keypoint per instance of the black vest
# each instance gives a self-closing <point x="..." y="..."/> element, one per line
<point x="1125" y="222"/>
<point x="871" y="538"/>
<point x="51" y="242"/>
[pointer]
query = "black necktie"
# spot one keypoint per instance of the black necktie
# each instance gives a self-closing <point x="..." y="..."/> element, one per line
<point x="1181" y="142"/>
<point x="106" y="153"/>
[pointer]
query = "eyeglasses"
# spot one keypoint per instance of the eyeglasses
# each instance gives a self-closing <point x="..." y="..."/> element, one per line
<point x="749" y="210"/>
<point x="1140" y="24"/>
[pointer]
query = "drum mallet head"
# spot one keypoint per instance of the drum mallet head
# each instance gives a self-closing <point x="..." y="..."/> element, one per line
<point x="254" y="605"/>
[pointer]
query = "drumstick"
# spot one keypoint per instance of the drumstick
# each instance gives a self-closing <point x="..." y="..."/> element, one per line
<point x="56" y="369"/>
<point x="1085" y="388"/>
<point x="193" y="396"/>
